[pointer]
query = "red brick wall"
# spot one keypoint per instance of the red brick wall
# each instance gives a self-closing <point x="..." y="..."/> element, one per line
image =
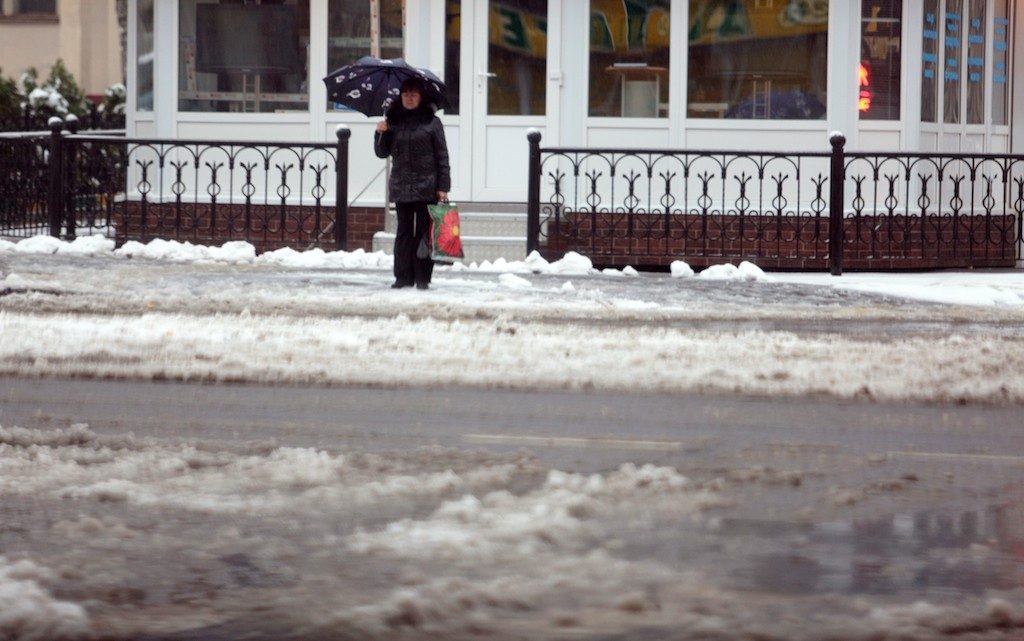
<point x="267" y="227"/>
<point x="786" y="242"/>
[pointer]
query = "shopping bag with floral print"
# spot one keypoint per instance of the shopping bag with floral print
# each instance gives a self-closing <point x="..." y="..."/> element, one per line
<point x="445" y="233"/>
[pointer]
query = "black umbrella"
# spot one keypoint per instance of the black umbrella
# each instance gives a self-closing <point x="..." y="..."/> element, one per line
<point x="370" y="85"/>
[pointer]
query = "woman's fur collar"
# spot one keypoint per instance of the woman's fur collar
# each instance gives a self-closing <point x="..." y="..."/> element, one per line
<point x="420" y="115"/>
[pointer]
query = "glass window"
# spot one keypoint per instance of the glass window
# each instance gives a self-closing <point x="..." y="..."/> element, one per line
<point x="976" y="63"/>
<point x="144" y="53"/>
<point x="881" y="44"/>
<point x="452" y="52"/>
<point x="36" y="7"/>
<point x="952" y="49"/>
<point x="517" y="50"/>
<point x="758" y="59"/>
<point x="930" y="62"/>
<point x="1000" y="62"/>
<point x="629" y="58"/>
<point x="348" y="32"/>
<point x="243" y="57"/>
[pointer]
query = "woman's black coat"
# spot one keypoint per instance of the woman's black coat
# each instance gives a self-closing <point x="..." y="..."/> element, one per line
<point x="415" y="141"/>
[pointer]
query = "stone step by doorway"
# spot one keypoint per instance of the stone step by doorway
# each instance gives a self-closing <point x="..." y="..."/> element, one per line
<point x="489" y="231"/>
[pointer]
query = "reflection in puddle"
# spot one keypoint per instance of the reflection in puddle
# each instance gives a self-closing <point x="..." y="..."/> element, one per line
<point x="966" y="552"/>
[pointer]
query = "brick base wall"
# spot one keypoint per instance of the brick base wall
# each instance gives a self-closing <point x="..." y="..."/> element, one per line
<point x="267" y="227"/>
<point x="786" y="242"/>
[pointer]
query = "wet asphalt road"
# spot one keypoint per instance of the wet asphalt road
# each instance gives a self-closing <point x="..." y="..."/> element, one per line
<point x="820" y="481"/>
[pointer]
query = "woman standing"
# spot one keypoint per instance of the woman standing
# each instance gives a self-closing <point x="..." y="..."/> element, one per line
<point x="414" y="138"/>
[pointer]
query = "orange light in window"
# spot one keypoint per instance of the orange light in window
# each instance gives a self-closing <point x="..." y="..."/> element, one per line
<point x="864" y="101"/>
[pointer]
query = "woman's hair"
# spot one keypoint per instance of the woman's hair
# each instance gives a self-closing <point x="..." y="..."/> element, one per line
<point x="412" y="84"/>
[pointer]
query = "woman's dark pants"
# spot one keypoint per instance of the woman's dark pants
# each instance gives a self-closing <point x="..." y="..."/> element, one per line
<point x="413" y="226"/>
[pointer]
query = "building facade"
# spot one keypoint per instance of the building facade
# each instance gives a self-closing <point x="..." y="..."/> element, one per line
<point x="779" y="75"/>
<point x="86" y="35"/>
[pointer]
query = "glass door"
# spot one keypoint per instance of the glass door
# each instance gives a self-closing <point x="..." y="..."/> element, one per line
<point x="510" y="93"/>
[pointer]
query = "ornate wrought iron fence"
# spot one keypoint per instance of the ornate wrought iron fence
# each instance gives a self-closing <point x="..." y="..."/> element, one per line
<point x="923" y="210"/>
<point x="795" y="210"/>
<point x="24" y="184"/>
<point x="270" y="194"/>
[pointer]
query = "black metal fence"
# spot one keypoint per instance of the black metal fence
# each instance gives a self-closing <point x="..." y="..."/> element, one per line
<point x="795" y="210"/>
<point x="270" y="194"/>
<point x="24" y="184"/>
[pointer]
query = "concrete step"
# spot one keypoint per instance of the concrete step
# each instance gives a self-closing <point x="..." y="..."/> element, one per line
<point x="482" y="223"/>
<point x="493" y="224"/>
<point x="476" y="248"/>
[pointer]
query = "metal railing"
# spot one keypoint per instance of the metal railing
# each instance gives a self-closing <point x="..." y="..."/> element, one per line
<point x="797" y="210"/>
<point x="271" y="194"/>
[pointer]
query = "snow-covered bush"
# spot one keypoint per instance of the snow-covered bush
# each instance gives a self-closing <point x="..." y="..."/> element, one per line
<point x="114" y="99"/>
<point x="58" y="95"/>
<point x="30" y="101"/>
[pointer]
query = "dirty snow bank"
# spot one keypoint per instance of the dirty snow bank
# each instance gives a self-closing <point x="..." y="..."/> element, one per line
<point x="28" y="612"/>
<point x="555" y="515"/>
<point x="507" y="354"/>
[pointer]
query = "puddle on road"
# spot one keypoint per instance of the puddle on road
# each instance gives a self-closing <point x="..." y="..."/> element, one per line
<point x="925" y="553"/>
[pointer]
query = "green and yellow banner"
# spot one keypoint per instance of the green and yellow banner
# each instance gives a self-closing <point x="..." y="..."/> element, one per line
<point x="722" y="21"/>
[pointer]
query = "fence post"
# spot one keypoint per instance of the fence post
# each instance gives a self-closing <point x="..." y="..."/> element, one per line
<point x="55" y="201"/>
<point x="533" y="193"/>
<point x="70" y="152"/>
<point x="837" y="198"/>
<point x="341" y="189"/>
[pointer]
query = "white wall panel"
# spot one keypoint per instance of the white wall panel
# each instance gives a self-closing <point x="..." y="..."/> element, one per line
<point x="758" y="139"/>
<point x="629" y="137"/>
<point x="261" y="131"/>
<point x="877" y="141"/>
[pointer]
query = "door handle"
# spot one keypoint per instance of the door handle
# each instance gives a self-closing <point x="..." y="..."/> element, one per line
<point x="487" y="74"/>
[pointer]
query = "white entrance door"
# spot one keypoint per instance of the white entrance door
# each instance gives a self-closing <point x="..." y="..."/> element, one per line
<point x="509" y="62"/>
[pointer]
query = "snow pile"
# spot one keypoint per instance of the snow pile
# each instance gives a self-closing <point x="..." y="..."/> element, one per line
<point x="512" y="281"/>
<point x="39" y="245"/>
<point x="28" y="612"/>
<point x="681" y="269"/>
<point x="746" y="271"/>
<point x="555" y="515"/>
<point x="317" y="258"/>
<point x="88" y="246"/>
<point x="572" y="264"/>
<point x="172" y="250"/>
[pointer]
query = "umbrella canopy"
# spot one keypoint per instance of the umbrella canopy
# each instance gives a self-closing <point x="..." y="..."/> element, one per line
<point x="370" y="85"/>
